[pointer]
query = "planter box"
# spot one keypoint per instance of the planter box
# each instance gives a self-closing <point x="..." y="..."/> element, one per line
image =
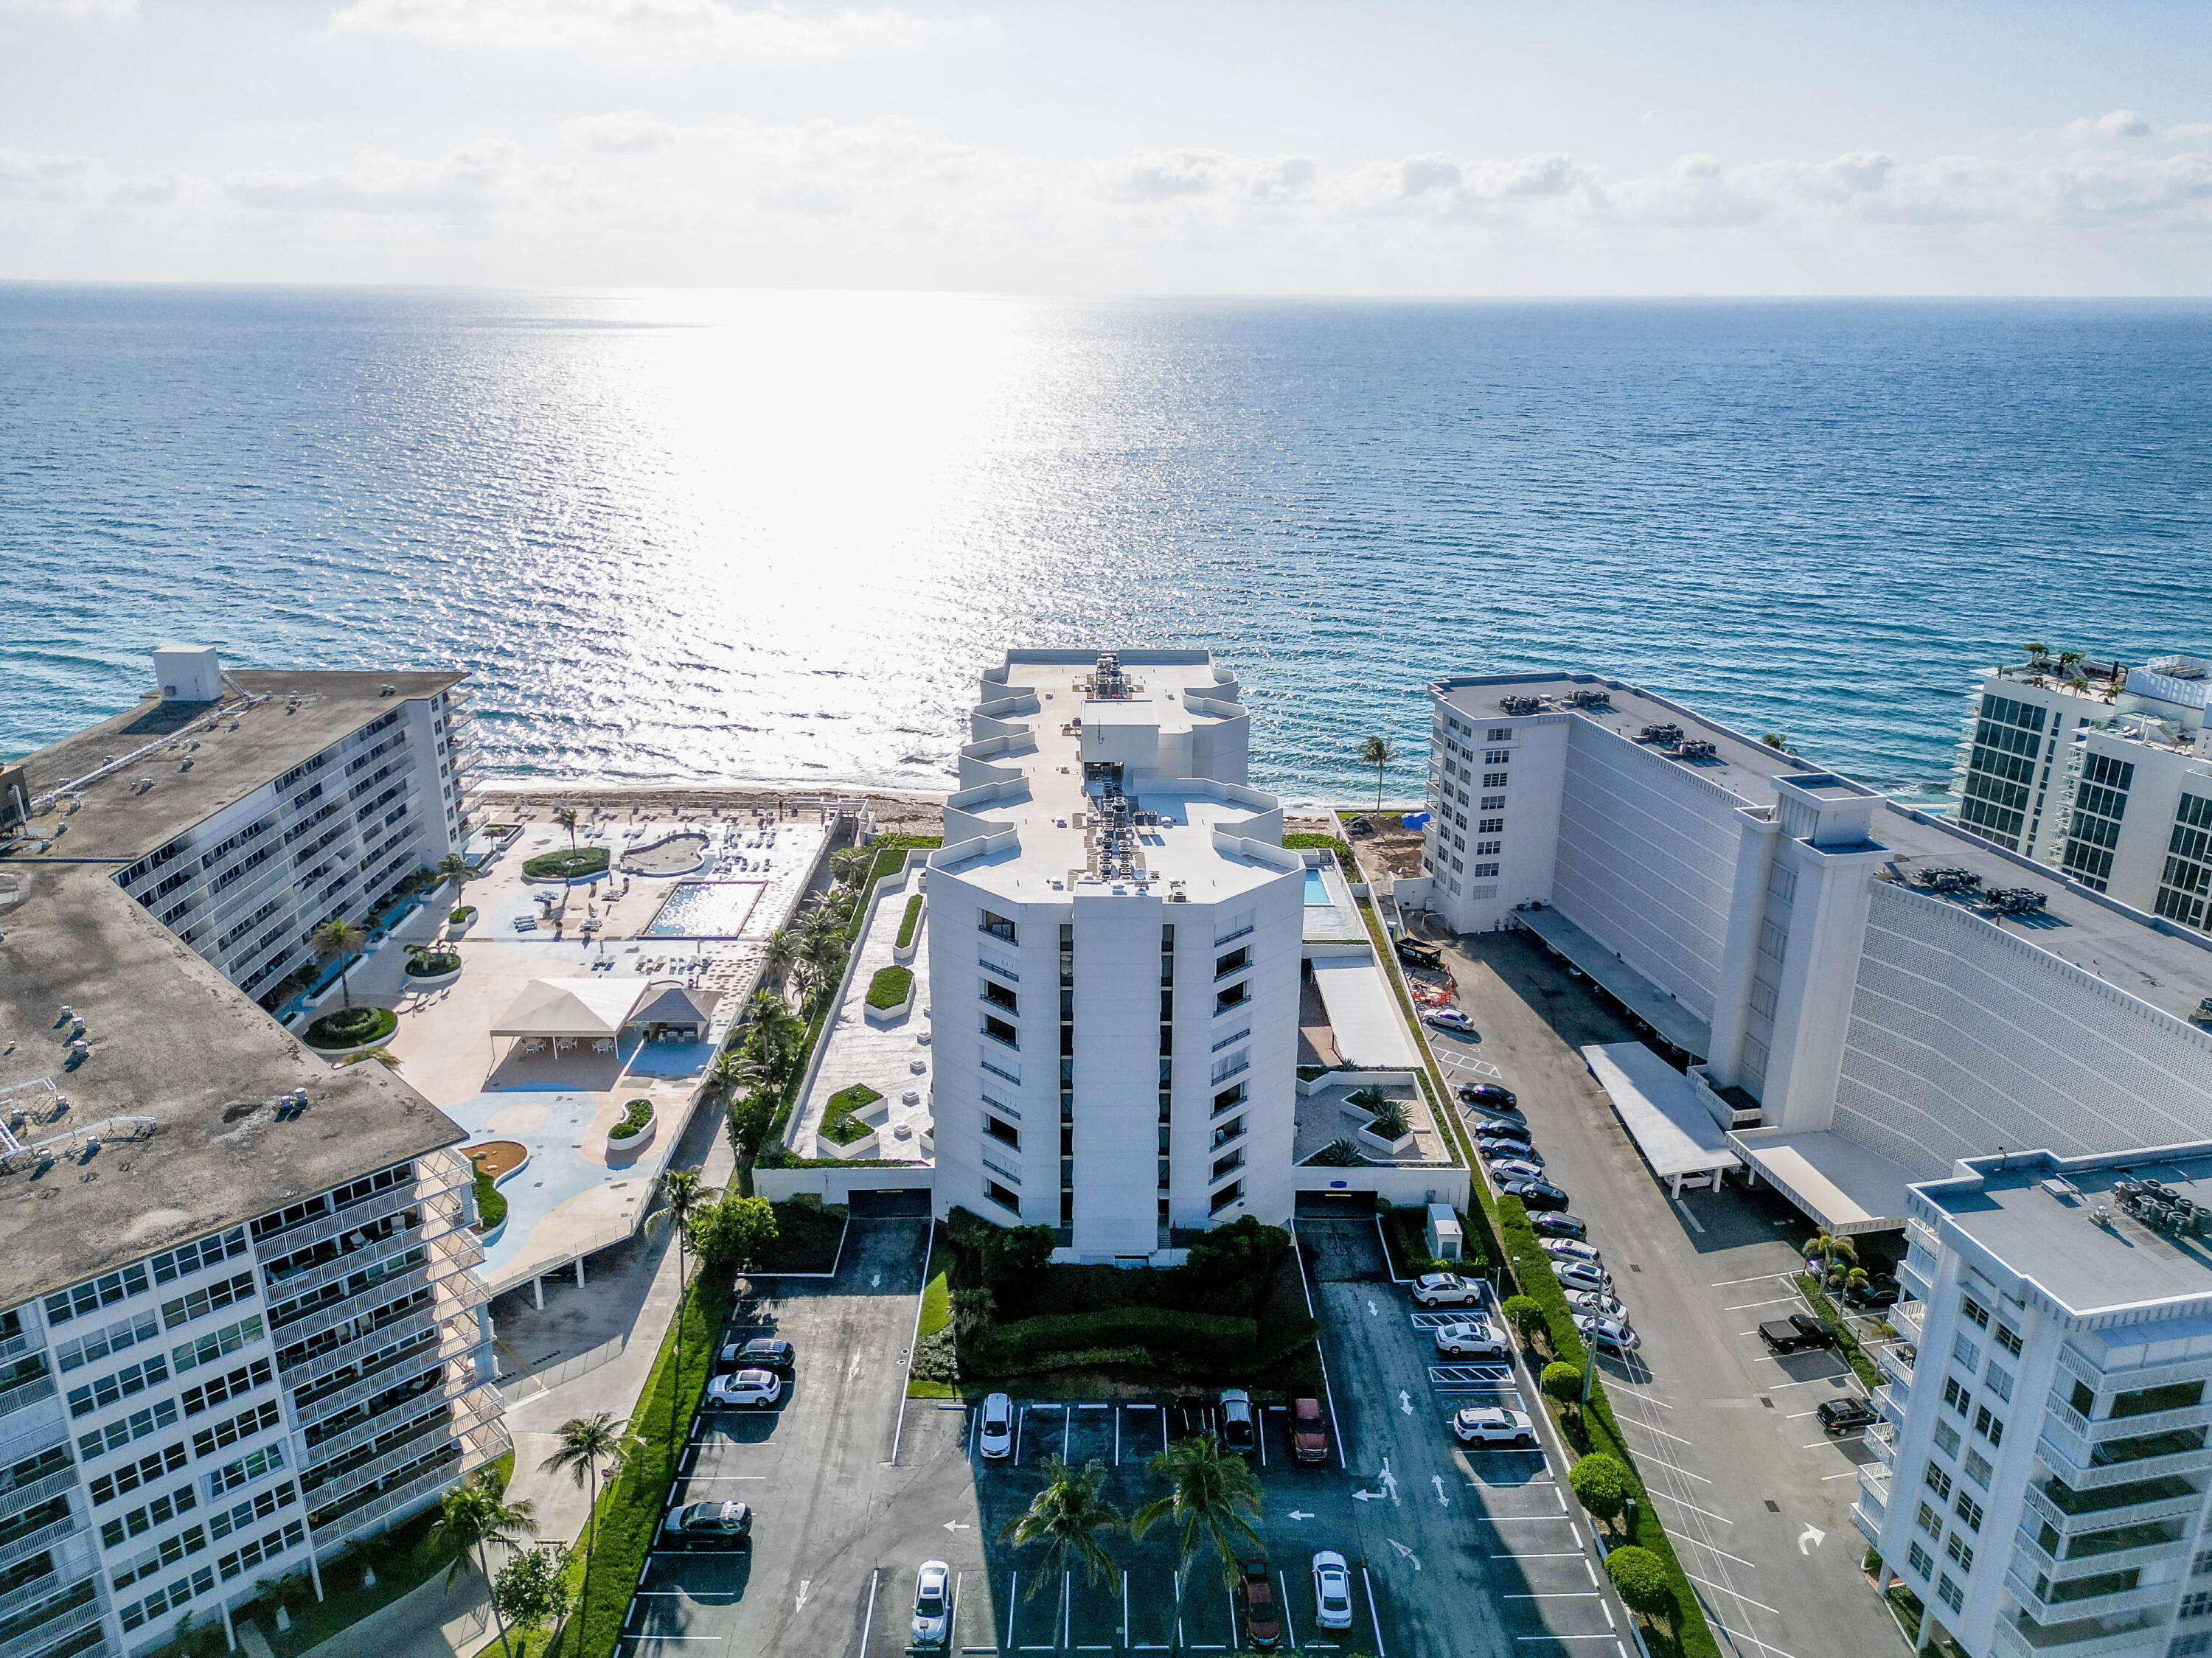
<point x="890" y="1016"/>
<point x="636" y="1142"/>
<point x="435" y="981"/>
<point x="1401" y="1147"/>
<point x="905" y="958"/>
<point x="455" y="929"/>
<point x="863" y="1147"/>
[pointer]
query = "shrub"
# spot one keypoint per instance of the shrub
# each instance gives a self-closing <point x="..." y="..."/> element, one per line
<point x="433" y="963"/>
<point x="890" y="986"/>
<point x="909" y="921"/>
<point x="1601" y="1484"/>
<point x="734" y="1230"/>
<point x="1563" y="1383"/>
<point x="840" y="1124"/>
<point x="351" y="1027"/>
<point x="1641" y="1578"/>
<point x="568" y="866"/>
<point x="635" y="1115"/>
<point x="1526" y="1315"/>
<point x="1164" y="1336"/>
<point x="461" y="913"/>
<point x="1390" y="1121"/>
<point x="1245" y="1251"/>
<point x="491" y="1203"/>
<point x="1337" y="1154"/>
<point x="1004" y="1257"/>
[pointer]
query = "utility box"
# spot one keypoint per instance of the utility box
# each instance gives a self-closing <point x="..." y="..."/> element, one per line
<point x="1445" y="1240"/>
<point x="188" y="673"/>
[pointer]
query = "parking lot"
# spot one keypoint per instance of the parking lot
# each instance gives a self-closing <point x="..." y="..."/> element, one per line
<point x="1755" y="1495"/>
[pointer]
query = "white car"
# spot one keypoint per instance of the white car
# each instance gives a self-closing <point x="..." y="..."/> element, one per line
<point x="1447" y="1290"/>
<point x="1332" y="1590"/>
<point x="1572" y="1249"/>
<point x="1508" y="1168"/>
<point x="994" y="1428"/>
<point x="933" y="1605"/>
<point x="1608" y="1334"/>
<point x="1581" y="1275"/>
<point x="1451" y="1019"/>
<point x="1475" y="1339"/>
<point x="1487" y="1424"/>
<point x="1592" y="1305"/>
<point x="757" y="1388"/>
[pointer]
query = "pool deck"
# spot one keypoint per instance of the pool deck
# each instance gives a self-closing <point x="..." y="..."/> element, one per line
<point x="882" y="1057"/>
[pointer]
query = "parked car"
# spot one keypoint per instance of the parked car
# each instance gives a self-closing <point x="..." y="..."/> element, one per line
<point x="1797" y="1332"/>
<point x="995" y="1429"/>
<point x="1309" y="1430"/>
<point x="1447" y="1290"/>
<point x="1193" y="1416"/>
<point x="1580" y="1275"/>
<point x="707" y="1526"/>
<point x="1240" y="1429"/>
<point x="1874" y="1292"/>
<point x="1474" y="1339"/>
<point x="1487" y="1424"/>
<point x="1844" y="1416"/>
<point x="762" y="1353"/>
<point x="1535" y="1195"/>
<point x="1332" y="1590"/>
<point x="1486" y="1132"/>
<point x="1505" y="1169"/>
<point x="1489" y="1094"/>
<point x="933" y="1605"/>
<point x="1591" y="1305"/>
<point x="1414" y="953"/>
<point x="1607" y="1335"/>
<point x="1449" y="1019"/>
<point x="758" y="1389"/>
<point x="1255" y="1588"/>
<point x="1570" y="1249"/>
<point x="1558" y="1226"/>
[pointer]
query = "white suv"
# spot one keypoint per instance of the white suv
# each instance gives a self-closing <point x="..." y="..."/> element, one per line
<point x="1479" y="1425"/>
<point x="759" y="1388"/>
<point x="1447" y="1290"/>
<point x="1570" y="1249"/>
<point x="1580" y="1275"/>
<point x="995" y="1427"/>
<point x="1471" y="1341"/>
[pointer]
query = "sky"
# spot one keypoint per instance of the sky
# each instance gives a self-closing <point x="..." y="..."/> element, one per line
<point x="1209" y="147"/>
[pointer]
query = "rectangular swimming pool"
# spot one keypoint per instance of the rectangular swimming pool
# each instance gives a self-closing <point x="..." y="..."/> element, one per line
<point x="1316" y="887"/>
<point x="705" y="909"/>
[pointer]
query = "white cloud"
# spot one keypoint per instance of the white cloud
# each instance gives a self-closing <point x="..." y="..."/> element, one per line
<point x="470" y="181"/>
<point x="629" y="132"/>
<point x="1149" y="175"/>
<point x="767" y="32"/>
<point x="74" y="11"/>
<point x="52" y="178"/>
<point x="2120" y="123"/>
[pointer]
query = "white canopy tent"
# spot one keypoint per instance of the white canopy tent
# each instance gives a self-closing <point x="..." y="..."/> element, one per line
<point x="571" y="1009"/>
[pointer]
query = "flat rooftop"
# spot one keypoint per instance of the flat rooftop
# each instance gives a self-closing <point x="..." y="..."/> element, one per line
<point x="2053" y="1240"/>
<point x="240" y="748"/>
<point x="2172" y="970"/>
<point x="172" y="1041"/>
<point x="1049" y="806"/>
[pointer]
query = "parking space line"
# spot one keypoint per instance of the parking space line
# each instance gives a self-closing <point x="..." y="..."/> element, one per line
<point x="1764" y="1278"/>
<point x="1723" y="1553"/>
<point x="1691" y="1507"/>
<point x="1764" y="1646"/>
<point x="1661" y="1432"/>
<point x="1746" y="1306"/>
<point x="1571" y="1554"/>
<point x="1737" y="1594"/>
<point x="1673" y="1467"/>
<point x="1558" y="1595"/>
<point x="1290" y="1623"/>
<point x="1373" y="1622"/>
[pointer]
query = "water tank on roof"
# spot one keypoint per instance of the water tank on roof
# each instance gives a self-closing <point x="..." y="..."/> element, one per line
<point x="188" y="673"/>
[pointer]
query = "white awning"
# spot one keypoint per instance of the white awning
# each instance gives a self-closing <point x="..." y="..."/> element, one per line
<point x="1659" y="1107"/>
<point x="570" y="1007"/>
<point x="1837" y="1183"/>
<point x="1363" y="1013"/>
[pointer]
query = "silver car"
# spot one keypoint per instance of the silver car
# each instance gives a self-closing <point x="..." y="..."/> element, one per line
<point x="994" y="1428"/>
<point x="933" y="1605"/>
<point x="1332" y="1590"/>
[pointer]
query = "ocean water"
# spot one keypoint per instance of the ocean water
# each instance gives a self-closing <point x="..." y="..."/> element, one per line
<point x="775" y="537"/>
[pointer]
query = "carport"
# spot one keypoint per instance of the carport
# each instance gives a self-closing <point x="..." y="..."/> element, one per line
<point x="1843" y="1188"/>
<point x="1659" y="1107"/>
<point x="1363" y="1014"/>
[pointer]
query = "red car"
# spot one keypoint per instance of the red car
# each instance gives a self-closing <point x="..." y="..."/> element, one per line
<point x="1263" y="1625"/>
<point x="1308" y="1430"/>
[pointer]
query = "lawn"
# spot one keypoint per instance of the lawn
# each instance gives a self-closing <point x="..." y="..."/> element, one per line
<point x="841" y="1123"/>
<point x="569" y="866"/>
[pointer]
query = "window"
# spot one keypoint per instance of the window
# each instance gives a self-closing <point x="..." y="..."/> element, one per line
<point x="1973" y="1310"/>
<point x="1968" y="1510"/>
<point x="997" y="926"/>
<point x="1961" y="1551"/>
<point x="267" y="1547"/>
<point x="1950" y="1594"/>
<point x="1002" y="1131"/>
<point x="132" y="1476"/>
<point x="91" y="1296"/>
<point x="1920" y="1560"/>
<point x="1234" y="1161"/>
<point x="2198" y="1605"/>
<point x="1228" y="1132"/>
<point x="1498" y="734"/>
<point x="1946" y="1438"/>
<point x="1937" y="1481"/>
<point x="1998" y="1381"/>
<point x="1228" y="1099"/>
<point x="1009" y="1201"/>
<point x="1493" y="780"/>
<point x="244" y="1425"/>
<point x="119" y="1384"/>
<point x="144" y="1518"/>
<point x="999" y="1031"/>
<point x="1968" y="1353"/>
<point x="1232" y="1192"/>
<point x="1235" y="961"/>
<point x="115" y="1338"/>
<point x="2202" y="1564"/>
<point x="186" y="1307"/>
<point x="1956" y="1396"/>
<point x="116" y="1435"/>
<point x="259" y="1506"/>
<point x="1930" y="1521"/>
<point x="208" y="1252"/>
<point x="1990" y="1427"/>
<point x="1486" y="848"/>
<point x="1233" y="998"/>
<point x="1480" y="871"/>
<point x="1490" y="826"/>
<point x="1978" y="1469"/>
<point x="1497" y="756"/>
<point x="247" y="1468"/>
<point x="998" y="996"/>
<point x="2189" y="1646"/>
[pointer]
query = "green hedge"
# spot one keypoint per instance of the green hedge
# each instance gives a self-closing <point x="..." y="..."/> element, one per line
<point x="351" y="1027"/>
<point x="635" y="1115"/>
<point x="890" y="986"/>
<point x="630" y="1508"/>
<point x="491" y="1202"/>
<point x="839" y="1123"/>
<point x="1198" y="1343"/>
<point x="551" y="866"/>
<point x="909" y="921"/>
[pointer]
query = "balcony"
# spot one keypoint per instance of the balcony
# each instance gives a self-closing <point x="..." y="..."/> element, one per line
<point x="2124" y="1378"/>
<point x="2030" y="1557"/>
<point x="2138" y="1599"/>
<point x="1908" y="1318"/>
<point x="74" y="1619"/>
<point x="37" y="1542"/>
<point x="16" y="1498"/>
<point x="1867" y="1519"/>
<point x="2080" y="1435"/>
<point x="30" y="1393"/>
<point x="2088" y="1637"/>
<point x="1891" y="1401"/>
<point x="1894" y="1359"/>
<point x="2159" y="1503"/>
<point x="1916" y="1276"/>
<point x="2082" y="1474"/>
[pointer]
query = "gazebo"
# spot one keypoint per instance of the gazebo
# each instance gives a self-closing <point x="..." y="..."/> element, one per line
<point x="674" y="1012"/>
<point x="565" y="1012"/>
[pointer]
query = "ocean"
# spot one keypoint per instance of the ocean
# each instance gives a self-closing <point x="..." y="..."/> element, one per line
<point x="774" y="537"/>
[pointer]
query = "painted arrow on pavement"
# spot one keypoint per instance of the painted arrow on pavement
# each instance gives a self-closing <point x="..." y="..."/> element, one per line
<point x="1810" y="1539"/>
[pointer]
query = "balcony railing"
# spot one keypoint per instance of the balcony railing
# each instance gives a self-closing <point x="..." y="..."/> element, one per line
<point x="2127" y="1514"/>
<point x="2030" y="1557"/>
<point x="16" y="1498"/>
<point x="1909" y="1316"/>
<point x="2095" y="1606"/>
<point x="2013" y="1641"/>
<point x="55" y="1630"/>
<point x="30" y="1393"/>
<point x="1895" y="1359"/>
<point x="2081" y="1476"/>
<point x="2125" y="1378"/>
<point x="45" y="1537"/>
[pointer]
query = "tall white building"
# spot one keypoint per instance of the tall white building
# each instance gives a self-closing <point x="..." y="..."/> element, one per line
<point x="2101" y="770"/>
<point x="2047" y="1489"/>
<point x="1115" y="955"/>
<point x="1873" y="993"/>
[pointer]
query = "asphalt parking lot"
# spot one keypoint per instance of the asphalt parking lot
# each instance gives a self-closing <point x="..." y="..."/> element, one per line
<point x="1756" y="1496"/>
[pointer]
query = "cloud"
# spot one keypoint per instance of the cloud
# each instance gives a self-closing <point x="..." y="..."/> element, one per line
<point x="2120" y="123"/>
<point x="766" y="32"/>
<point x="74" y="11"/>
<point x="53" y="178"/>
<point x="626" y="133"/>
<point x="1151" y="175"/>
<point x="470" y="181"/>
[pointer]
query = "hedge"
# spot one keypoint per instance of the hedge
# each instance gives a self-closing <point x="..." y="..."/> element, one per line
<point x="890" y="986"/>
<point x="491" y="1202"/>
<point x="551" y="866"/>
<point x="909" y="921"/>
<point x="635" y="1115"/>
<point x="351" y="1028"/>
<point x="1200" y="1343"/>
<point x="839" y="1124"/>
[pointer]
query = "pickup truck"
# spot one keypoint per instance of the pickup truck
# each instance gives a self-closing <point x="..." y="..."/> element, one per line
<point x="1797" y="1332"/>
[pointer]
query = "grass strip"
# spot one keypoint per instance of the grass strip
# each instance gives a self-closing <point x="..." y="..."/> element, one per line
<point x="910" y="921"/>
<point x="1818" y="1299"/>
<point x="889" y="986"/>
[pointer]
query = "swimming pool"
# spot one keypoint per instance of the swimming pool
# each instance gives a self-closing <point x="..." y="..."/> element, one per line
<point x="705" y="909"/>
<point x="1316" y="887"/>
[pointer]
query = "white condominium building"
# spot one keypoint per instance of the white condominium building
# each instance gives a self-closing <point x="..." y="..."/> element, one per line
<point x="2047" y="1489"/>
<point x="1115" y="950"/>
<point x="2100" y="770"/>
<point x="1874" y="993"/>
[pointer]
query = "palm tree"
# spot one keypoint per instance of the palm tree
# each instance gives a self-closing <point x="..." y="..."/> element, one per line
<point x="821" y="954"/>
<point x="336" y="940"/>
<point x="471" y="1515"/>
<point x="1379" y="754"/>
<point x="737" y="1070"/>
<point x="455" y="869"/>
<point x="850" y="866"/>
<point x="587" y="1443"/>
<point x="1214" y="1497"/>
<point x="1067" y="1517"/>
<point x="777" y="955"/>
<point x="683" y="1194"/>
<point x="2037" y="650"/>
<point x="566" y="818"/>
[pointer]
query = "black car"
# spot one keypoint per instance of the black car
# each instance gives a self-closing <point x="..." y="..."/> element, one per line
<point x="1874" y="1292"/>
<point x="1796" y="1332"/>
<point x="1844" y="1416"/>
<point x="1558" y="1226"/>
<point x="1504" y="1133"/>
<point x="707" y="1526"/>
<point x="1489" y="1094"/>
<point x="762" y="1353"/>
<point x="1535" y="1195"/>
